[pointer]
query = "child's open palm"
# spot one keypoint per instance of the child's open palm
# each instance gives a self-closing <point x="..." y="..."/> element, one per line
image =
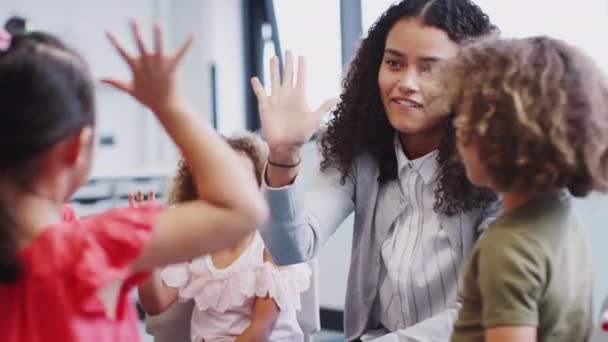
<point x="154" y="82"/>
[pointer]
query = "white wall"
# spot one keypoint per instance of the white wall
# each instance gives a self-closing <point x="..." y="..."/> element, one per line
<point x="227" y="52"/>
<point x="141" y="146"/>
<point x="219" y="40"/>
<point x="594" y="212"/>
<point x="81" y="24"/>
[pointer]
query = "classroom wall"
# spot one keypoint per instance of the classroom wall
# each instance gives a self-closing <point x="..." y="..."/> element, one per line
<point x="139" y="144"/>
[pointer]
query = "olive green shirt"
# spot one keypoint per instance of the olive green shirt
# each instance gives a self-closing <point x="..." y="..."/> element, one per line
<point x="532" y="267"/>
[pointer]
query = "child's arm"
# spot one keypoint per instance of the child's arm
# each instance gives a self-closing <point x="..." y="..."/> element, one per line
<point x="264" y="317"/>
<point x="511" y="334"/>
<point x="155" y="297"/>
<point x="512" y="277"/>
<point x="232" y="205"/>
<point x="265" y="314"/>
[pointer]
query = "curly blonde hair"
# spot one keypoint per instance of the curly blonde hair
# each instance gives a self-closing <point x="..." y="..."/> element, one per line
<point x="182" y="187"/>
<point x="536" y="109"/>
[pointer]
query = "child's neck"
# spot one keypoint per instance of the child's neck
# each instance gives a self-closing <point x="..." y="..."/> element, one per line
<point x="33" y="210"/>
<point x="513" y="200"/>
<point x="225" y="257"/>
<point x="242" y="244"/>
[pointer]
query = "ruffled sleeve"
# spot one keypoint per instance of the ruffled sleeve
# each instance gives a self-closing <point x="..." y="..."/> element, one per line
<point x="283" y="284"/>
<point x="176" y="275"/>
<point x="109" y="243"/>
<point x="195" y="281"/>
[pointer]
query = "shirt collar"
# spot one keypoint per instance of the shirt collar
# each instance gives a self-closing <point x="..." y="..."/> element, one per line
<point x="426" y="166"/>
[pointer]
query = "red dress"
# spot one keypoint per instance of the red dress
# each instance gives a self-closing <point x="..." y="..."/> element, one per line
<point x="57" y="297"/>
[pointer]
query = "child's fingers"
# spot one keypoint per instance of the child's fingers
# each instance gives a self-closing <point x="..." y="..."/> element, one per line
<point x="131" y="200"/>
<point x="151" y="196"/>
<point x="158" y="39"/>
<point x="125" y="86"/>
<point x="140" y="197"/>
<point x="181" y="51"/>
<point x="138" y="40"/>
<point x="120" y="49"/>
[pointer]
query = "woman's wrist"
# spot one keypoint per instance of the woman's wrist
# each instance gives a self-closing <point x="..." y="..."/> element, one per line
<point x="284" y="155"/>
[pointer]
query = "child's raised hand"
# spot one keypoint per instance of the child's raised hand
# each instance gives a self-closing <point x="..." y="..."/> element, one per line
<point x="154" y="82"/>
<point x="138" y="199"/>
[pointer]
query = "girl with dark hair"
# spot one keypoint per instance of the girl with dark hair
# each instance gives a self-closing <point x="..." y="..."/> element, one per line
<point x="64" y="279"/>
<point x="393" y="163"/>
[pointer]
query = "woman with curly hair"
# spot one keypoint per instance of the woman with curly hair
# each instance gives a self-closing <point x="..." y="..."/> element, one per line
<point x="385" y="157"/>
<point x="531" y="124"/>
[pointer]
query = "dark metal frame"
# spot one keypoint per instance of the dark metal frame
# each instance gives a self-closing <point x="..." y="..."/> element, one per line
<point x="351" y="28"/>
<point x="256" y="13"/>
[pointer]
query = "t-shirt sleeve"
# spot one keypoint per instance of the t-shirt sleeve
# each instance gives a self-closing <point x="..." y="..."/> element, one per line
<point x="512" y="277"/>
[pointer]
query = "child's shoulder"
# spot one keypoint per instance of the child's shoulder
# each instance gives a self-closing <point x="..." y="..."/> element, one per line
<point x="94" y="243"/>
<point x="538" y="226"/>
<point x="511" y="248"/>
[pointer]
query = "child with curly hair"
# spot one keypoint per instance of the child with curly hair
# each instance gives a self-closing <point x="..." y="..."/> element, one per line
<point x="68" y="279"/>
<point x="531" y="124"/>
<point x="238" y="293"/>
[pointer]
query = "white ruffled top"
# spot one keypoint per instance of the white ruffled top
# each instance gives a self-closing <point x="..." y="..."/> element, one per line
<point x="224" y="297"/>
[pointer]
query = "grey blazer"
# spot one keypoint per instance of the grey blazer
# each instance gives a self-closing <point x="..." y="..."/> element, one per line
<point x="302" y="219"/>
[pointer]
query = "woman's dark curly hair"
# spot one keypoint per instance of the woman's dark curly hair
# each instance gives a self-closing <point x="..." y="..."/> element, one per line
<point x="360" y="124"/>
<point x="535" y="109"/>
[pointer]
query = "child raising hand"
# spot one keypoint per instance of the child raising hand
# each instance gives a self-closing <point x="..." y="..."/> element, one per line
<point x="64" y="279"/>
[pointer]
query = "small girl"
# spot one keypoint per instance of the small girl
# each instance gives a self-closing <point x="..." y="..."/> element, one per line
<point x="531" y="125"/>
<point x="239" y="294"/>
<point x="64" y="279"/>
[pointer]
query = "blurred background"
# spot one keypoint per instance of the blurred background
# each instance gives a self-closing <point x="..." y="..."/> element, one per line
<point x="234" y="40"/>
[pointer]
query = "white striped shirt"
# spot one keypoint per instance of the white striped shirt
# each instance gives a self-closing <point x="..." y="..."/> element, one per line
<point x="421" y="267"/>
